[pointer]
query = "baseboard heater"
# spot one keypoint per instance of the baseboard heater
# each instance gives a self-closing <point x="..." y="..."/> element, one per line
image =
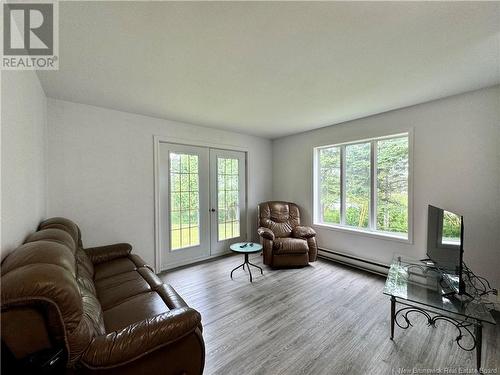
<point x="348" y="260"/>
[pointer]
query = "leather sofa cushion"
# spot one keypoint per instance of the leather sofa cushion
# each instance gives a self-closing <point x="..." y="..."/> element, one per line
<point x="44" y="282"/>
<point x="102" y="254"/>
<point x="64" y="224"/>
<point x="117" y="288"/>
<point x="290" y="246"/>
<point x="92" y="312"/>
<point x="134" y="309"/>
<point x="113" y="267"/>
<point x="84" y="265"/>
<point x="40" y="252"/>
<point x="53" y="234"/>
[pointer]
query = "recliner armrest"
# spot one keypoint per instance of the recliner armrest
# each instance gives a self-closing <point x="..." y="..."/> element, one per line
<point x="141" y="338"/>
<point x="302" y="231"/>
<point x="102" y="254"/>
<point x="266" y="233"/>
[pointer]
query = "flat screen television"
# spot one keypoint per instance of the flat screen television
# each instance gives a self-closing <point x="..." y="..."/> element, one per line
<point x="445" y="235"/>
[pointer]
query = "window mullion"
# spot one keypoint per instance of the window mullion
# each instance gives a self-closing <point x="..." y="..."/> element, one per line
<point x="373" y="187"/>
<point x="342" y="185"/>
<point x="320" y="215"/>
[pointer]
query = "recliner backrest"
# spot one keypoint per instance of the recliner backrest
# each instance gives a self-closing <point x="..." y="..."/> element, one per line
<point x="64" y="224"/>
<point x="280" y="217"/>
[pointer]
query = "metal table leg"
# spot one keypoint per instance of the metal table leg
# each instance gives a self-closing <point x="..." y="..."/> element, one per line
<point x="473" y="329"/>
<point x="234" y="269"/>
<point x="248" y="264"/>
<point x="256" y="266"/>
<point x="393" y="315"/>
<point x="479" y="344"/>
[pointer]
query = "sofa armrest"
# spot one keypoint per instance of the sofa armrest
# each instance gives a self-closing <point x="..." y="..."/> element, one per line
<point x="102" y="254"/>
<point x="302" y="231"/>
<point x="141" y="338"/>
<point x="266" y="233"/>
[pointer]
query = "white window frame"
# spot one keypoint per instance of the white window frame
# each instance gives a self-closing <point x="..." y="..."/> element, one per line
<point x="371" y="231"/>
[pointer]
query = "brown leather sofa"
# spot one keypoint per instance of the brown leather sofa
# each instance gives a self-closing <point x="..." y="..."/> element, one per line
<point x="286" y="243"/>
<point x="103" y="306"/>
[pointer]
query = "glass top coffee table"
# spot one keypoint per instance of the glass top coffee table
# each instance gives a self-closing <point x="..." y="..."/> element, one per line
<point x="419" y="288"/>
<point x="246" y="248"/>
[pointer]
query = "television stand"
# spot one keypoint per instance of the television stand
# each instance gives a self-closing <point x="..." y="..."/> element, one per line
<point x="415" y="288"/>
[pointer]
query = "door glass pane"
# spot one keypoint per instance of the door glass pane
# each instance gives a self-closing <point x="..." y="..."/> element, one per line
<point x="184" y="201"/>
<point x="329" y="169"/>
<point x="392" y="185"/>
<point x="357" y="184"/>
<point x="228" y="198"/>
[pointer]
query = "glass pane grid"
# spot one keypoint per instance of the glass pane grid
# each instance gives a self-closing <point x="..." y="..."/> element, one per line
<point x="184" y="201"/>
<point x="357" y="184"/>
<point x="365" y="185"/>
<point x="392" y="185"/>
<point x="228" y="198"/>
<point x="330" y="191"/>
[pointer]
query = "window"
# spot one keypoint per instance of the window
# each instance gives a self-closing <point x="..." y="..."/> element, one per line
<point x="228" y="198"/>
<point x="364" y="186"/>
<point x="330" y="185"/>
<point x="184" y="201"/>
<point x="357" y="185"/>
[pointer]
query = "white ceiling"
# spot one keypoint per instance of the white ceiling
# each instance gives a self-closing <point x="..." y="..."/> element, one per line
<point x="272" y="68"/>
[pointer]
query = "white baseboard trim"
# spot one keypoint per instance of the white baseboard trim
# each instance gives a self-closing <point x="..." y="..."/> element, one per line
<point x="353" y="261"/>
<point x="193" y="262"/>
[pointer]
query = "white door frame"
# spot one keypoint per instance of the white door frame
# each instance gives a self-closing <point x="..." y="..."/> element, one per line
<point x="173" y="257"/>
<point x="157" y="139"/>
<point x="218" y="247"/>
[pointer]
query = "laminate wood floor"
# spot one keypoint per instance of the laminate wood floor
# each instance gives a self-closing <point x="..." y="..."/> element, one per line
<point x="322" y="319"/>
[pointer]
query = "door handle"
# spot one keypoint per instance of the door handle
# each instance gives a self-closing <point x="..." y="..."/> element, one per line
<point x="212" y="210"/>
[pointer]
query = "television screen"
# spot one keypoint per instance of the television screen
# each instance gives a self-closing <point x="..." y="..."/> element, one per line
<point x="445" y="244"/>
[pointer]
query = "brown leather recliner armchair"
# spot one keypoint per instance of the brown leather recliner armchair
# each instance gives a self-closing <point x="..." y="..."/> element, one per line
<point x="102" y="307"/>
<point x="286" y="243"/>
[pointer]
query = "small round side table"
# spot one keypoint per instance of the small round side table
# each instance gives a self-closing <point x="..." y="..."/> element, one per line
<point x="246" y="248"/>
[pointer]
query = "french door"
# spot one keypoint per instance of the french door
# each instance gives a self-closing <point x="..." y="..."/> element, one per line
<point x="228" y="199"/>
<point x="202" y="202"/>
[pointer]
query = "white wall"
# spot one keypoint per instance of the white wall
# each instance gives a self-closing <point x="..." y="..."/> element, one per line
<point x="23" y="155"/>
<point x="101" y="171"/>
<point x="456" y="166"/>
